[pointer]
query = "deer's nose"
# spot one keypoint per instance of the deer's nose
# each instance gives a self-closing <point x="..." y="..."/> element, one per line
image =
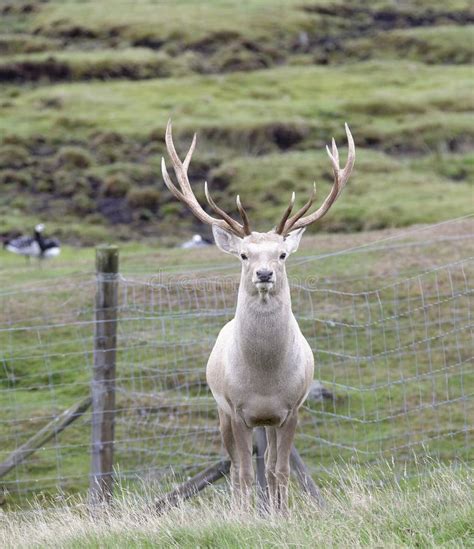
<point x="264" y="275"/>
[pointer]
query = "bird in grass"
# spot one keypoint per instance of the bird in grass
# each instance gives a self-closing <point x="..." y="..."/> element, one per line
<point x="197" y="241"/>
<point x="34" y="246"/>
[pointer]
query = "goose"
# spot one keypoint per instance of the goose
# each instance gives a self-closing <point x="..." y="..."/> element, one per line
<point x="34" y="246"/>
<point x="197" y="241"/>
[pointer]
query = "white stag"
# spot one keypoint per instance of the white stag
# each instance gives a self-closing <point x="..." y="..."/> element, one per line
<point x="261" y="367"/>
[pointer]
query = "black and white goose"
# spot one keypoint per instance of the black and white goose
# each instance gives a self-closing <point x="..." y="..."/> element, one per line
<point x="197" y="241"/>
<point x="34" y="246"/>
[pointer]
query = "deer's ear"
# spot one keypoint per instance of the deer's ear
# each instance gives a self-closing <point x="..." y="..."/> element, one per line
<point x="293" y="240"/>
<point x="226" y="241"/>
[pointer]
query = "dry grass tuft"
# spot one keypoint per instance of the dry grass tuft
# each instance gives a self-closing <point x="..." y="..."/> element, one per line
<point x="437" y="509"/>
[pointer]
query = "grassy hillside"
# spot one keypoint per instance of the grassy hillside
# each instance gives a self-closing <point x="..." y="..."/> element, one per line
<point x="88" y="91"/>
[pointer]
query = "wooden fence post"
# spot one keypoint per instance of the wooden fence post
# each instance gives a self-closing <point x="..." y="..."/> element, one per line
<point x="194" y="485"/>
<point x="103" y="378"/>
<point x="306" y="481"/>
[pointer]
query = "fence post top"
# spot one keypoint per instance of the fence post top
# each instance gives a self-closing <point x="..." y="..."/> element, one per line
<point x="107" y="258"/>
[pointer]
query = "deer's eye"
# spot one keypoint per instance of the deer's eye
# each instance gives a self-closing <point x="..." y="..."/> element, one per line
<point x="282" y="256"/>
<point x="243" y="256"/>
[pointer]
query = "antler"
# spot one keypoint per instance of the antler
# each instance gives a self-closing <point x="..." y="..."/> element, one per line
<point x="297" y="221"/>
<point x="186" y="195"/>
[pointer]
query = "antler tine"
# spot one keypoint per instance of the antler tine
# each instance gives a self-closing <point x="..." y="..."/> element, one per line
<point x="185" y="193"/>
<point x="187" y="160"/>
<point x="300" y="213"/>
<point x="335" y="152"/>
<point x="243" y="215"/>
<point x="233" y="225"/>
<point x="340" y="179"/>
<point x="350" y="158"/>
<point x="333" y="158"/>
<point x="180" y="169"/>
<point x="171" y="186"/>
<point x="286" y="214"/>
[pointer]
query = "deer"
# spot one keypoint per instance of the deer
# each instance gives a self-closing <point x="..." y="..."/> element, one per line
<point x="261" y="366"/>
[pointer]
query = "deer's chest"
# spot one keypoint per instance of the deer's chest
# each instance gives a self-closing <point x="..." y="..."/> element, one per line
<point x="265" y="396"/>
<point x="271" y="371"/>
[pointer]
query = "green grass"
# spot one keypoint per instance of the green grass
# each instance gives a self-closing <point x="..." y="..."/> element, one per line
<point x="309" y="96"/>
<point x="383" y="192"/>
<point x="186" y="20"/>
<point x="441" y="44"/>
<point x="87" y="57"/>
<point x="435" y="511"/>
<point x="235" y="120"/>
<point x="192" y="21"/>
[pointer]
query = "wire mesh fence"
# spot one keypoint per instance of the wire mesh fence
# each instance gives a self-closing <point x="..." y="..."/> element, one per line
<point x="390" y="326"/>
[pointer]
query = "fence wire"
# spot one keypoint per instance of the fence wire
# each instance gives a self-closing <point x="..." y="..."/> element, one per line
<point x="391" y="333"/>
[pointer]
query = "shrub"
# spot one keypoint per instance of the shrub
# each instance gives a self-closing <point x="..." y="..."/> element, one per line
<point x="109" y="154"/>
<point x="109" y="147"/>
<point x="13" y="156"/>
<point x="82" y="204"/>
<point x="74" y="158"/>
<point x="12" y="177"/>
<point x="170" y="210"/>
<point x="153" y="149"/>
<point x="144" y="198"/>
<point x="10" y="138"/>
<point x="20" y="203"/>
<point x="108" y="138"/>
<point x="143" y="215"/>
<point x="68" y="184"/>
<point x="45" y="185"/>
<point x="116" y="186"/>
<point x="94" y="219"/>
<point x="138" y="174"/>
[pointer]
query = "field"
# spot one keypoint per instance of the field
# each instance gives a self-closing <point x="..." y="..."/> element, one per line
<point x="382" y="287"/>
<point x="436" y="512"/>
<point x="387" y="314"/>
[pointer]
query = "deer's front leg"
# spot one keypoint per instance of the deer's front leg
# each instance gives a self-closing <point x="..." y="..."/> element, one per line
<point x="285" y="436"/>
<point x="243" y="443"/>
<point x="270" y="464"/>
<point x="225" y="425"/>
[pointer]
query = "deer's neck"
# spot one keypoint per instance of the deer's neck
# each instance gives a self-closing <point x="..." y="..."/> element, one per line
<point x="264" y="326"/>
